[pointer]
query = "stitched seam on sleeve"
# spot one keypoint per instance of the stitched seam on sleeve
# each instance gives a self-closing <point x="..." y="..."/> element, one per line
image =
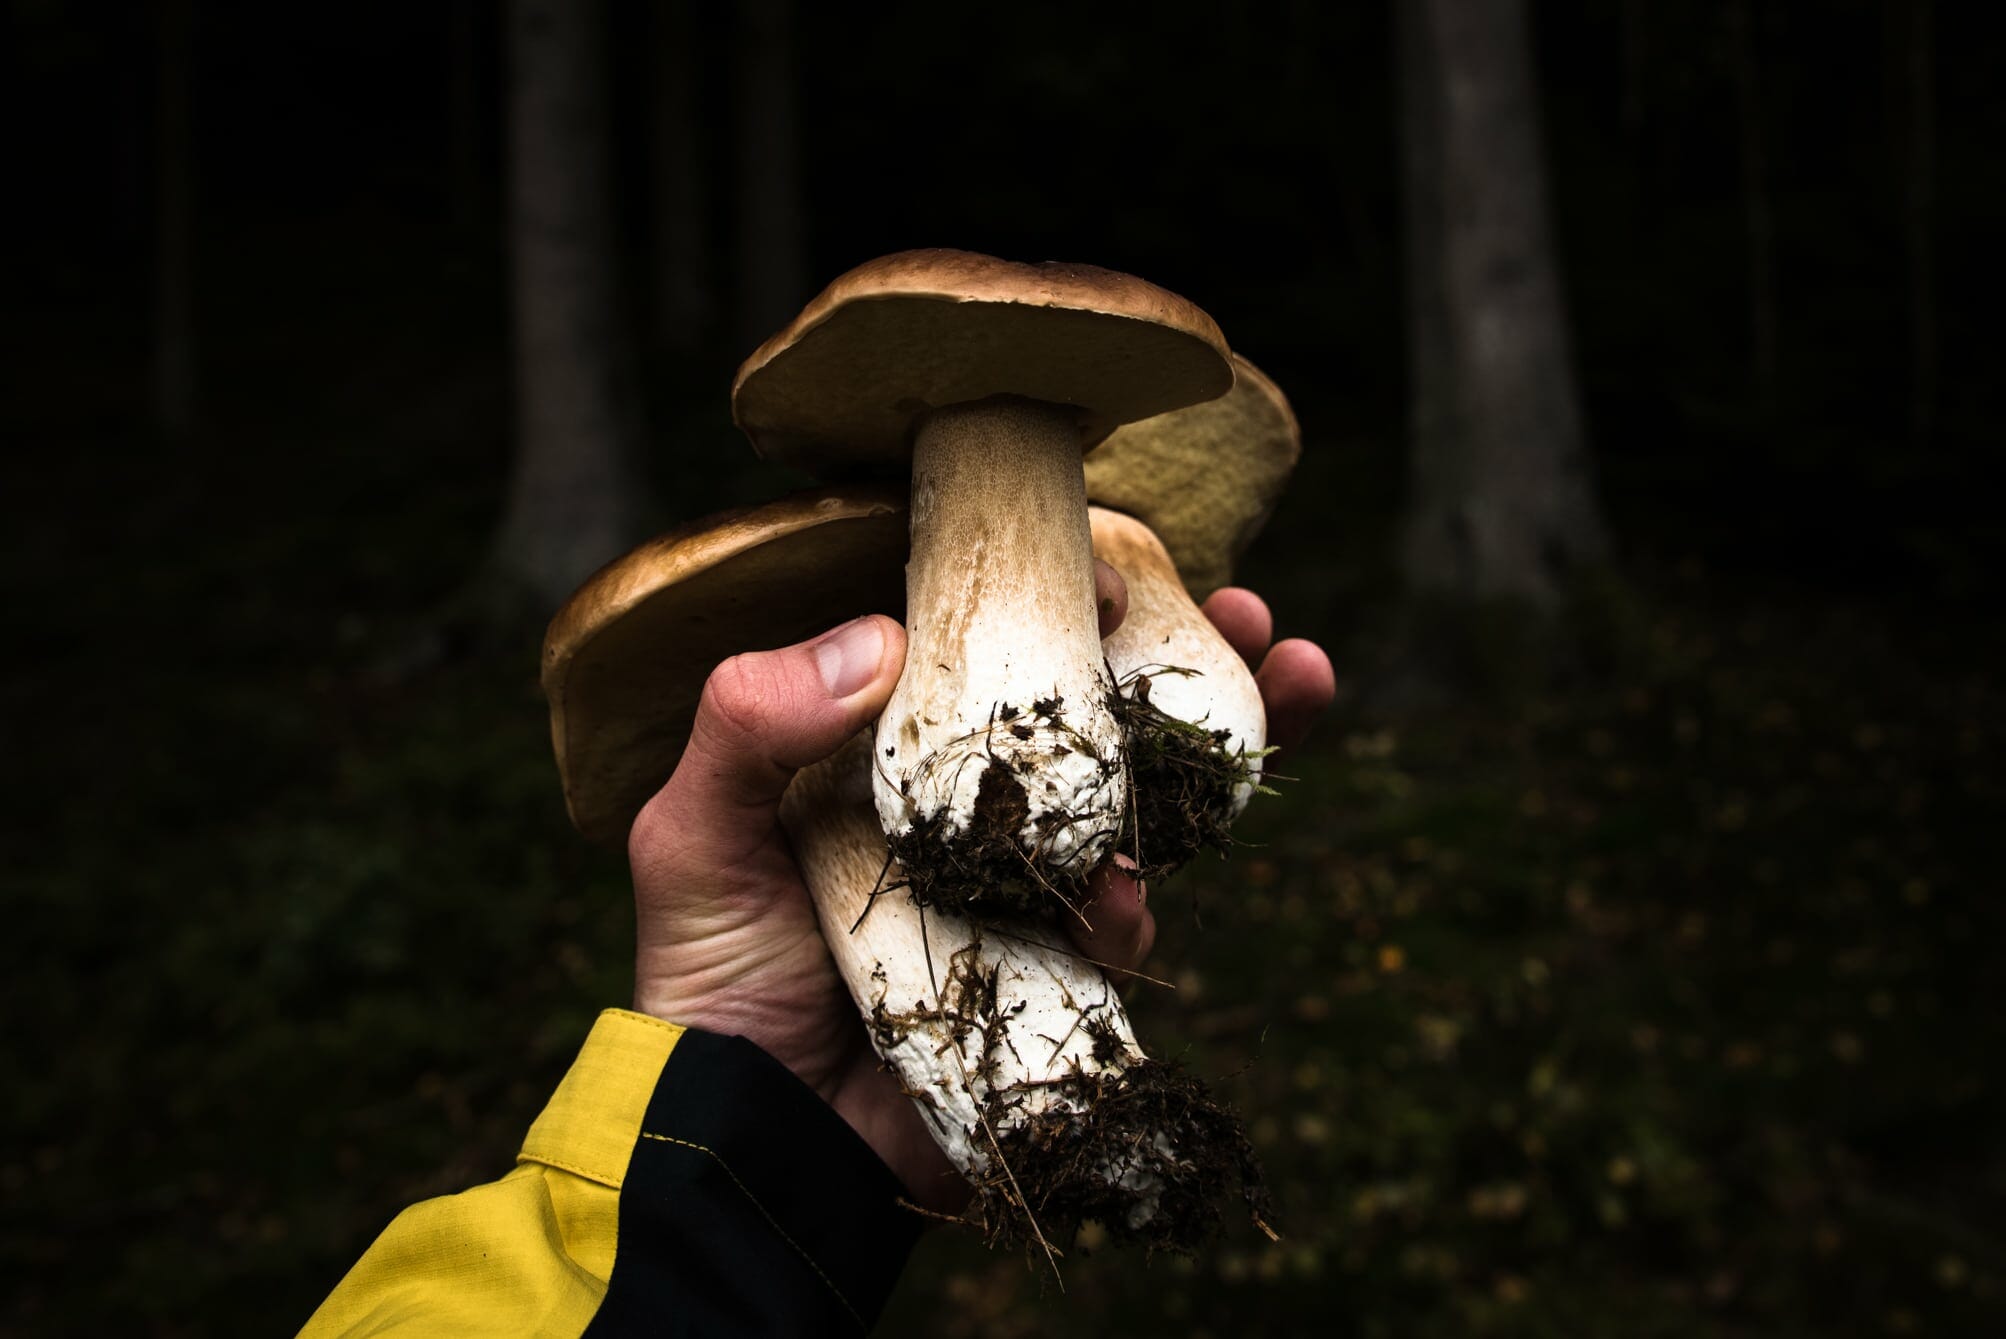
<point x="770" y="1219"/>
<point x="630" y="1016"/>
<point x="577" y="1168"/>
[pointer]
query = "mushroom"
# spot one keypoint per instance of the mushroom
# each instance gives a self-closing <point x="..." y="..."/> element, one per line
<point x="1176" y="499"/>
<point x="625" y="659"/>
<point x="999" y="777"/>
<point x="1017" y="1052"/>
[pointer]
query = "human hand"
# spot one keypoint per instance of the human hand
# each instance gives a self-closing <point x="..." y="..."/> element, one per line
<point x="727" y="938"/>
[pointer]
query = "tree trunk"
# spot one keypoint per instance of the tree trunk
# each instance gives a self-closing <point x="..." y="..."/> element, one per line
<point x="574" y="498"/>
<point x="1502" y="501"/>
<point x="1430" y="389"/>
<point x="174" y="289"/>
<point x="772" y="265"/>
<point x="681" y="261"/>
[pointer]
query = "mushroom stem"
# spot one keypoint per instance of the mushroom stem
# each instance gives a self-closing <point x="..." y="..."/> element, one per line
<point x="1196" y="724"/>
<point x="1016" y="1052"/>
<point x="999" y="770"/>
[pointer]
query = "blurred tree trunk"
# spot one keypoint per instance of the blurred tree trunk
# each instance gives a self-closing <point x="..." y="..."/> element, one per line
<point x="574" y="496"/>
<point x="1919" y="210"/>
<point x="1758" y="218"/>
<point x="1430" y="388"/>
<point x="772" y="262"/>
<point x="1501" y="502"/>
<point x="174" y="287"/>
<point x="683" y="309"/>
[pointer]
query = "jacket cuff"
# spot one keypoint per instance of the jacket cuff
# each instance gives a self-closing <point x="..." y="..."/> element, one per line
<point x="734" y="1176"/>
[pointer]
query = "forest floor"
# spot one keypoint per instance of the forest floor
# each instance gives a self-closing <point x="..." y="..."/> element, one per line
<point x="1668" y="1006"/>
<point x="1665" y="1001"/>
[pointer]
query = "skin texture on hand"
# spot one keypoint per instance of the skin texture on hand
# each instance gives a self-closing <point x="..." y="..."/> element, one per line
<point x="726" y="936"/>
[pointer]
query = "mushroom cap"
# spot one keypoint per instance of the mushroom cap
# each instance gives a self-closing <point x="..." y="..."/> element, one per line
<point x="625" y="660"/>
<point x="839" y="390"/>
<point x="1205" y="478"/>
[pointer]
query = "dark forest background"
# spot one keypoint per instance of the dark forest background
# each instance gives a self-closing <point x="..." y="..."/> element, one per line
<point x="1622" y="959"/>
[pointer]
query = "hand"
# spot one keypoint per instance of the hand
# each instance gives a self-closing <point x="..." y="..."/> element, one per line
<point x="726" y="936"/>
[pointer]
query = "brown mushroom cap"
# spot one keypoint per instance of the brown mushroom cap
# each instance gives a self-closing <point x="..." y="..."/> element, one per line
<point x="1206" y="478"/>
<point x="625" y="660"/>
<point x="838" y="391"/>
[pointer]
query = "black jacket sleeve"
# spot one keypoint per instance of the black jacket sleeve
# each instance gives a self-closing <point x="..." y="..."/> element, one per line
<point x="678" y="1183"/>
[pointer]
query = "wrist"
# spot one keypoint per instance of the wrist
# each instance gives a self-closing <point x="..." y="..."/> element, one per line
<point x="809" y="1037"/>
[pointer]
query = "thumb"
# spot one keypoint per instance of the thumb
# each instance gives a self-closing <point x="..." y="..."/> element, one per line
<point x="763" y="716"/>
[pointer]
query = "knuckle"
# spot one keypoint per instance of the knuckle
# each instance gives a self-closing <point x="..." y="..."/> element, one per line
<point x="735" y="711"/>
<point x="1145" y="940"/>
<point x="738" y="697"/>
<point x="643" y="837"/>
<point x="649" y="837"/>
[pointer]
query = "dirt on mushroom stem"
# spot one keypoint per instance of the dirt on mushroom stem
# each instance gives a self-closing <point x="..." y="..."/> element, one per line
<point x="1183" y="784"/>
<point x="1149" y="1127"/>
<point x="995" y="1023"/>
<point x="1003" y="703"/>
<point x="1183" y="781"/>
<point x="1134" y="1144"/>
<point x="981" y="867"/>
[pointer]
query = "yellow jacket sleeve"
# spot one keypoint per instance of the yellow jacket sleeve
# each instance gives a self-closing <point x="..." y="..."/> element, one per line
<point x="677" y="1183"/>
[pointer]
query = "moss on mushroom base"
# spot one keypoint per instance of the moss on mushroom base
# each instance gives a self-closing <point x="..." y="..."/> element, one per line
<point x="1191" y="714"/>
<point x="1187" y="783"/>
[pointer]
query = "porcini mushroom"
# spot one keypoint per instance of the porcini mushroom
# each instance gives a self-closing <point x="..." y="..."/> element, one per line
<point x="999" y="775"/>
<point x="1017" y="1052"/>
<point x="1177" y="498"/>
<point x="625" y="659"/>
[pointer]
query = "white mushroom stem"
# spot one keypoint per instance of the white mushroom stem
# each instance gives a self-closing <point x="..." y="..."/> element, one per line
<point x="1003" y="662"/>
<point x="1192" y="673"/>
<point x="922" y="980"/>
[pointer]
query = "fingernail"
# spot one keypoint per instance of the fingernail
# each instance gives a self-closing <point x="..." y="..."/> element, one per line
<point x="849" y="656"/>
